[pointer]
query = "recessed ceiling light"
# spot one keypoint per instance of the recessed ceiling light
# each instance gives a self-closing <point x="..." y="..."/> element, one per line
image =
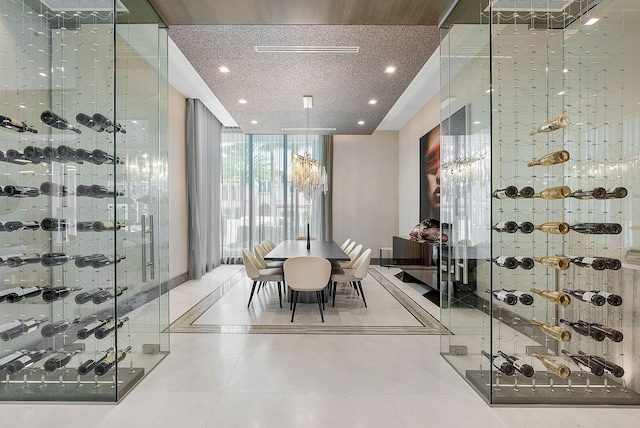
<point x="565" y="70"/>
<point x="242" y="101"/>
<point x="592" y="21"/>
<point x="372" y="102"/>
<point x="361" y="122"/>
<point x="390" y="69"/>
<point x="223" y="69"/>
<point x="254" y="122"/>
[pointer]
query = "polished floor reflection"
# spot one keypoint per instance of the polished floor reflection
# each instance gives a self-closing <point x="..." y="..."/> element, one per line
<point x="301" y="380"/>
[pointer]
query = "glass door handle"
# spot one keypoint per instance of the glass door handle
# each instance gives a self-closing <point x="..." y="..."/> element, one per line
<point x="150" y="231"/>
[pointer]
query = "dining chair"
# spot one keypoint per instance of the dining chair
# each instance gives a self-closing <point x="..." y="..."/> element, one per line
<point x="261" y="275"/>
<point x="307" y="273"/>
<point x="350" y="247"/>
<point x="354" y="275"/>
<point x="260" y="253"/>
<point x="353" y="255"/>
<point x="268" y="244"/>
<point x="344" y="245"/>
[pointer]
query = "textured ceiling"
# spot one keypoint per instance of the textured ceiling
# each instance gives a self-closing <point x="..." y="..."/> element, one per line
<point x="274" y="83"/>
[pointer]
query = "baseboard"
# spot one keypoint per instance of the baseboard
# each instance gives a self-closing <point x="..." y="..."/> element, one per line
<point x="174" y="282"/>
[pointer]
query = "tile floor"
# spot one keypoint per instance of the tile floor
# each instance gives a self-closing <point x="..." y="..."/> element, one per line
<point x="301" y="380"/>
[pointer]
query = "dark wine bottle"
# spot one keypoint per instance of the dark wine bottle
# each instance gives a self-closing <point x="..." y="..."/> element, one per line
<point x="86" y="120"/>
<point x="612" y="299"/>
<point x="24" y="259"/>
<point x="104" y="157"/>
<point x="22" y="293"/>
<point x="589" y="228"/>
<point x="56" y="293"/>
<point x="608" y="366"/>
<point x="612" y="264"/>
<point x="34" y="154"/>
<point x="588" y="262"/>
<point x="101" y="226"/>
<point x="55" y="259"/>
<point x="108" y="124"/>
<point x="587" y="296"/>
<point x="616" y="193"/>
<point x="505" y="296"/>
<point x="53" y="224"/>
<point x="83" y="190"/>
<point x="97" y="191"/>
<point x="115" y="357"/>
<point x="595" y="193"/>
<point x="526" y="263"/>
<point x="84" y="226"/>
<point x="106" y="262"/>
<point x="87" y="156"/>
<point x="613" y="228"/>
<point x="67" y="154"/>
<point x="16" y="125"/>
<point x="110" y="327"/>
<point x="9" y="358"/>
<point x="87" y="296"/>
<point x="5" y="293"/>
<point x="21" y="191"/>
<point x="55" y="121"/>
<point x="18" y="327"/>
<point x="105" y="295"/>
<point x="526" y="192"/>
<point x="585" y="363"/>
<point x="500" y="363"/>
<point x="526" y="227"/>
<point x="506" y="262"/>
<point x="50" y="154"/>
<point x="59" y="360"/>
<point x="54" y="328"/>
<point x="88" y="366"/>
<point x="585" y="329"/>
<point x="84" y="261"/>
<point x="506" y="226"/>
<point x="53" y="189"/>
<point x="522" y="367"/>
<point x="524" y="298"/>
<point x="13" y="226"/>
<point x="612" y="334"/>
<point x="27" y="360"/>
<point x="89" y="329"/>
<point x="509" y="192"/>
<point x="14" y="156"/>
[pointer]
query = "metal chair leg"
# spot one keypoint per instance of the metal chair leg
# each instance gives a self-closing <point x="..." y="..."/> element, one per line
<point x="252" y="290"/>
<point x="318" y="294"/>
<point x="335" y="285"/>
<point x="295" y="301"/>
<point x="362" y="293"/>
<point x="280" y="294"/>
<point x="322" y="294"/>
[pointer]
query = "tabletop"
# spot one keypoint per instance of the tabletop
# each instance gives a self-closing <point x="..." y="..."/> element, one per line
<point x="326" y="249"/>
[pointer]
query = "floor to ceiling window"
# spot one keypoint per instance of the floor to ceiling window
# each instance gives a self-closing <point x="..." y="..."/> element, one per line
<point x="258" y="200"/>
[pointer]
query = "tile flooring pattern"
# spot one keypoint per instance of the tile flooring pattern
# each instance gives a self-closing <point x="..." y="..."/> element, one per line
<point x="301" y="380"/>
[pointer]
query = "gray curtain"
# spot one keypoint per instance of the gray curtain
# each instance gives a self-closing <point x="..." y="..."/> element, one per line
<point x="203" y="188"/>
<point x="327" y="201"/>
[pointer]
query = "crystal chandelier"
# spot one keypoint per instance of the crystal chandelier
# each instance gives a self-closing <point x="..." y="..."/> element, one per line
<point x="309" y="176"/>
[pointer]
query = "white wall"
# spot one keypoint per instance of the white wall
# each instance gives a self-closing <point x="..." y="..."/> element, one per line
<point x="409" y="164"/>
<point x="178" y="242"/>
<point x="365" y="189"/>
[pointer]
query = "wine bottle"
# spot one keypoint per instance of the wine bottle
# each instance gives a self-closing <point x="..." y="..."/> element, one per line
<point x="88" y="366"/>
<point x="526" y="192"/>
<point x="53" y="189"/>
<point x="91" y="328"/>
<point x="84" y="226"/>
<point x="55" y="259"/>
<point x="553" y="227"/>
<point x="595" y="193"/>
<point x="555" y="262"/>
<point x="59" y="360"/>
<point x="21" y="191"/>
<point x="589" y="228"/>
<point x="551" y="159"/>
<point x="500" y="363"/>
<point x="524" y="298"/>
<point x="50" y="154"/>
<point x="8" y="359"/>
<point x="13" y="226"/>
<point x="87" y="156"/>
<point x="525" y="262"/>
<point x="595" y="263"/>
<point x="556" y="297"/>
<point x="612" y="334"/>
<point x="54" y="328"/>
<point x="22" y="293"/>
<point x="14" y="156"/>
<point x="585" y="363"/>
<point x="86" y="120"/>
<point x="509" y="192"/>
<point x="554" y="366"/>
<point x="97" y="191"/>
<point x="526" y="227"/>
<point x="27" y="360"/>
<point x="53" y="224"/>
<point x="5" y="293"/>
<point x="587" y="296"/>
<point x="608" y="366"/>
<point x="522" y="367"/>
<point x="506" y="226"/>
<point x="506" y="262"/>
<point x="83" y="190"/>
<point x="18" y="327"/>
<point x="34" y="154"/>
<point x="87" y="296"/>
<point x="613" y="264"/>
<point x="612" y="299"/>
<point x="108" y="124"/>
<point x="616" y="193"/>
<point x="559" y="122"/>
<point x="105" y="295"/>
<point x="111" y="360"/>
<point x="24" y="259"/>
<point x="98" y="263"/>
<point x="612" y="228"/>
<point x="556" y="332"/>
<point x="52" y="294"/>
<point x="585" y="329"/>
<point x="104" y="157"/>
<point x="559" y="192"/>
<point x="84" y="261"/>
<point x="109" y="327"/>
<point x="101" y="226"/>
<point x="505" y="296"/>
<point x="67" y="154"/>
<point x="16" y="125"/>
<point x="55" y="121"/>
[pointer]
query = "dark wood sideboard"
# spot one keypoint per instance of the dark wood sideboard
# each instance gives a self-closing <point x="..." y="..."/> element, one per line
<point x="418" y="261"/>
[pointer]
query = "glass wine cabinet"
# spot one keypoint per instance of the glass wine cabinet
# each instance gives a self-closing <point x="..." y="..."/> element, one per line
<point x="540" y="172"/>
<point x="83" y="198"/>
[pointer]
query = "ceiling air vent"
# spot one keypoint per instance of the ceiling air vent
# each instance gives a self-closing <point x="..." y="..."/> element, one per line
<point x="308" y="49"/>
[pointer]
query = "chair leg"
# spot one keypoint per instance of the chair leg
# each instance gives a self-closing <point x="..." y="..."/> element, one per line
<point x="291" y="298"/>
<point x="355" y="285"/>
<point x="295" y="301"/>
<point x="318" y="295"/>
<point x="362" y="293"/>
<point x="252" y="290"/>
<point x="335" y="284"/>
<point x="322" y="294"/>
<point x="280" y="294"/>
